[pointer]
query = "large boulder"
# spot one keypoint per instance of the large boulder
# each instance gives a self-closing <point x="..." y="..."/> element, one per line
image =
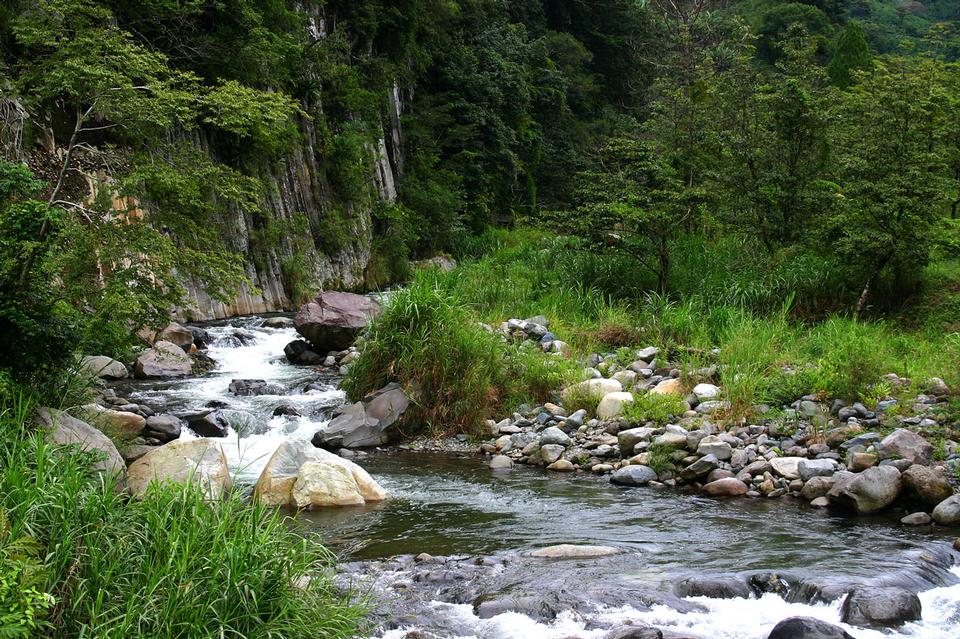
<point x="103" y="367"/>
<point x="164" y="427"/>
<point x="163" y="360"/>
<point x="254" y="387"/>
<point x="176" y="334"/>
<point x="726" y="487"/>
<point x="70" y="431"/>
<point x="299" y="352"/>
<point x="787" y="467"/>
<point x="197" y="461"/>
<point x="120" y="424"/>
<point x="301" y="475"/>
<point x="807" y="628"/>
<point x="868" y="492"/>
<point x="365" y="424"/>
<point x="925" y="485"/>
<point x="714" y="586"/>
<point x="906" y="444"/>
<point x="633" y="475"/>
<point x="334" y="319"/>
<point x="880" y="607"/>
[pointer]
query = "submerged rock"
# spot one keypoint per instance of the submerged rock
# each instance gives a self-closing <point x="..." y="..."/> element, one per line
<point x="880" y="607"/>
<point x="714" y="586"/>
<point x="333" y="320"/>
<point x="574" y="551"/>
<point x="197" y="461"/>
<point x="807" y="628"/>
<point x="254" y="387"/>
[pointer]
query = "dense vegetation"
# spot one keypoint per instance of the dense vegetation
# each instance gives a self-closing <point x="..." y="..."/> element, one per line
<point x="779" y="180"/>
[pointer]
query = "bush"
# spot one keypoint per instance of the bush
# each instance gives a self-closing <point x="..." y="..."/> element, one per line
<point x="654" y="407"/>
<point x="458" y="371"/>
<point x="171" y="565"/>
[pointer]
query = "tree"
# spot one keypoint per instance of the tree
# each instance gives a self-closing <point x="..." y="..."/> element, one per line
<point x="850" y="53"/>
<point x="891" y="168"/>
<point x="631" y="201"/>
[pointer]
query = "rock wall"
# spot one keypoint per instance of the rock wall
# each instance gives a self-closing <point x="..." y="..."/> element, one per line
<point x="298" y="186"/>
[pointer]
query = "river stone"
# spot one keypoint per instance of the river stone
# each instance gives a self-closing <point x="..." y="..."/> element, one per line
<point x="550" y="453"/>
<point x="906" y="444"/>
<point x="633" y="475"/>
<point x="163" y="360"/>
<point x="673" y="386"/>
<point x="333" y="320"/>
<point x="926" y="485"/>
<point x="554" y="435"/>
<point x="574" y="551"/>
<point x="278" y="322"/>
<point x="254" y="387"/>
<point x="712" y="406"/>
<point x="164" y="427"/>
<point x="807" y="628"/>
<point x="860" y="461"/>
<point x="122" y="425"/>
<point x="612" y="404"/>
<point x="66" y="430"/>
<point x="299" y="352"/>
<point x="670" y="438"/>
<point x="595" y="388"/>
<point x="916" y="519"/>
<point x="387" y="405"/>
<point x="200" y="461"/>
<point x="352" y="428"/>
<point x="631" y="437"/>
<point x="210" y="424"/>
<point x="880" y="607"/>
<point x="947" y="512"/>
<point x="701" y="467"/>
<point x="787" y="467"/>
<point x="714" y="586"/>
<point x="634" y="632"/>
<point x="706" y="392"/>
<point x="810" y="468"/>
<point x="294" y="477"/>
<point x="562" y="465"/>
<point x="103" y="367"/>
<point x="176" y="334"/>
<point x="501" y="462"/>
<point x="713" y="445"/>
<point x="726" y="487"/>
<point x="868" y="492"/>
<point x="816" y="487"/>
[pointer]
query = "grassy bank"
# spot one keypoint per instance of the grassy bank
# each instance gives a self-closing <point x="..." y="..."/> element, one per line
<point x="82" y="560"/>
<point x="772" y="338"/>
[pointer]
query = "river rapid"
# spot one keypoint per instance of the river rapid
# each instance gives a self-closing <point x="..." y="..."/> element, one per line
<point x="448" y="553"/>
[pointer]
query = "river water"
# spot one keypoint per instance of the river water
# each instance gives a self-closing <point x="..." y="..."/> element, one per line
<point x="479" y="527"/>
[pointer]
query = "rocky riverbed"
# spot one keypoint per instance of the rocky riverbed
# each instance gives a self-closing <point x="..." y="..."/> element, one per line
<point x="627" y="538"/>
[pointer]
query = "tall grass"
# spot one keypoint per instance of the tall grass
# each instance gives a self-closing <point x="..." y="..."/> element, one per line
<point x="171" y="565"/>
<point x="458" y="372"/>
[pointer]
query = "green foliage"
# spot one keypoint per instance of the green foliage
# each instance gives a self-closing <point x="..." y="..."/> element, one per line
<point x="457" y="372"/>
<point x="660" y="457"/>
<point x="654" y="407"/>
<point x="264" y="118"/>
<point x="168" y="564"/>
<point x="850" y="53"/>
<point x="23" y="607"/>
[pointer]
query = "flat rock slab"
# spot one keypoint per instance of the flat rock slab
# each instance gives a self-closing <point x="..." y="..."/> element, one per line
<point x="574" y="551"/>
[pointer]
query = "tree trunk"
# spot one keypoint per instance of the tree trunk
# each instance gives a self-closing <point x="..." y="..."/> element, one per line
<point x="663" y="272"/>
<point x="865" y="293"/>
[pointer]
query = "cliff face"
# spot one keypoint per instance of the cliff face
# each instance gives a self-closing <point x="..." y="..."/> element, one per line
<point x="296" y="191"/>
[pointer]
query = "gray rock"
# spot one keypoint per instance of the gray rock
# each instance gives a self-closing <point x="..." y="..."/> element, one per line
<point x="550" y="453"/>
<point x="868" y="492"/>
<point x="254" y="387"/>
<point x="163" y="360"/>
<point x="278" y="322"/>
<point x="299" y="352"/>
<point x="633" y="475"/>
<point x="715" y="587"/>
<point x="701" y="467"/>
<point x="713" y="445"/>
<point x="333" y="320"/>
<point x="69" y="431"/>
<point x="103" y="367"/>
<point x="501" y="462"/>
<point x="947" y="512"/>
<point x="926" y="485"/>
<point x="352" y="428"/>
<point x="906" y="444"/>
<point x="816" y="487"/>
<point x="164" y="427"/>
<point x="553" y="435"/>
<point x="916" y="519"/>
<point x="210" y="424"/>
<point x="634" y="632"/>
<point x="176" y="334"/>
<point x="880" y="607"/>
<point x="631" y="437"/>
<point x="807" y="628"/>
<point x="810" y="468"/>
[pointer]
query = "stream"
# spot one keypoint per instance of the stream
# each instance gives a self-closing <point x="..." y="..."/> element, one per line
<point x="477" y="529"/>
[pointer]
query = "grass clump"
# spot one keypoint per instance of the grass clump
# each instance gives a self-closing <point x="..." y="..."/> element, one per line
<point x="660" y="457"/>
<point x="458" y="372"/>
<point x="88" y="562"/>
<point x="654" y="407"/>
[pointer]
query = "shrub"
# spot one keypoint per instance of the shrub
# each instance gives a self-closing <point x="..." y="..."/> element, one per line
<point x="458" y="372"/>
<point x="654" y="407"/>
